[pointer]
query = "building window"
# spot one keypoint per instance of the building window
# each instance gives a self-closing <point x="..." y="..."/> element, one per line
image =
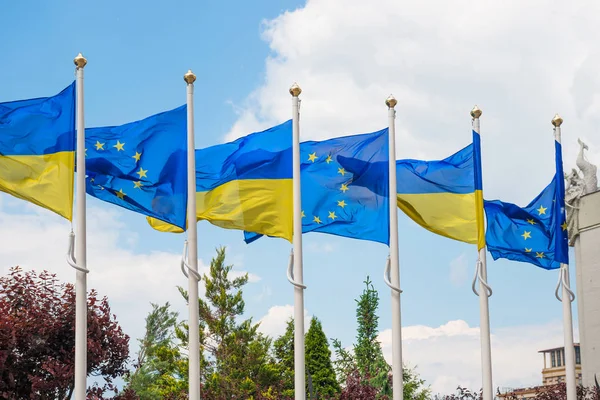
<point x="577" y="355"/>
<point x="558" y="360"/>
<point x="553" y="357"/>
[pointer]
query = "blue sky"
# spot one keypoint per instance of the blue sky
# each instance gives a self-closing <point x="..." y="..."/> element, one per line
<point x="348" y="58"/>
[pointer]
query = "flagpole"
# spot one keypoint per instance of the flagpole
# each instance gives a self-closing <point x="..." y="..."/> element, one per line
<point x="80" y="245"/>
<point x="567" y="299"/>
<point x="299" y="357"/>
<point x="394" y="265"/>
<point x="192" y="237"/>
<point x="484" y="310"/>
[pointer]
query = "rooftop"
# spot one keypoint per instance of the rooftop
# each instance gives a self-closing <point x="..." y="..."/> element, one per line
<point x="556" y="348"/>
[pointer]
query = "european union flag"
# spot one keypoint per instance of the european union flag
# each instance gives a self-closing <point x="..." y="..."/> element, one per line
<point x="345" y="187"/>
<point x="141" y="165"/>
<point x="535" y="234"/>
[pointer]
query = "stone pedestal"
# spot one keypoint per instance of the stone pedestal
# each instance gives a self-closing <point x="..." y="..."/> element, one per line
<point x="587" y="258"/>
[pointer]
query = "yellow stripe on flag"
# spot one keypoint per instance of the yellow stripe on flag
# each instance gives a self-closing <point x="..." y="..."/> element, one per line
<point x="256" y="205"/>
<point x="448" y="214"/>
<point x="45" y="180"/>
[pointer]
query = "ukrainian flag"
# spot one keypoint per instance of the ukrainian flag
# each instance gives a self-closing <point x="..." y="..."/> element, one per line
<point x="246" y="184"/>
<point x="445" y="196"/>
<point x="37" y="150"/>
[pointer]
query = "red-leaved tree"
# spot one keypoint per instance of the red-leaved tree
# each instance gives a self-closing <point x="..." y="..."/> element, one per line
<point x="37" y="337"/>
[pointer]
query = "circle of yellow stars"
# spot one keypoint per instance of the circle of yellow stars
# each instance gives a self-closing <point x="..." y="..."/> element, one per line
<point x="142" y="173"/>
<point x="527" y="234"/>
<point x="312" y="157"/>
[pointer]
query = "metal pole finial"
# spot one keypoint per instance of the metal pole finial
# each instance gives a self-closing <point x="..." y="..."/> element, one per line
<point x="189" y="77"/>
<point x="476" y="112"/>
<point x="80" y="61"/>
<point x="557" y="120"/>
<point x="391" y="101"/>
<point x="295" y="90"/>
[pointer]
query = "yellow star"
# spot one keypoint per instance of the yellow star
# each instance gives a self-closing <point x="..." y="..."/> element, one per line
<point x="341" y="203"/>
<point x="539" y="255"/>
<point x="531" y="221"/>
<point x="344" y="187"/>
<point x="526" y="235"/>
<point x="142" y="173"/>
<point x="302" y="214"/>
<point x="317" y="220"/>
<point x="137" y="156"/>
<point x="329" y="159"/>
<point x="119" y="146"/>
<point x="85" y="152"/>
<point x="332" y="215"/>
<point x="541" y="210"/>
<point x="342" y="171"/>
<point x="99" y="146"/>
<point x="564" y="226"/>
<point x="527" y="250"/>
<point x="120" y="194"/>
<point x="92" y="180"/>
<point x="137" y="185"/>
<point x="312" y="157"/>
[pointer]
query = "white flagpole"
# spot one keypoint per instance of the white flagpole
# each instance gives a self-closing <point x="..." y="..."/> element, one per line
<point x="80" y="245"/>
<point x="299" y="357"/>
<point x="567" y="298"/>
<point x="192" y="237"/>
<point x="484" y="310"/>
<point x="394" y="263"/>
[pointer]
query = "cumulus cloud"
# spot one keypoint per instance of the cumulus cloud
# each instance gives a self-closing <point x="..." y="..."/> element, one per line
<point x="520" y="62"/>
<point x="449" y="355"/>
<point x="275" y="321"/>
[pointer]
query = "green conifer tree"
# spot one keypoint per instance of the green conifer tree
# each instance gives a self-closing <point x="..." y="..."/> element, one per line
<point x="318" y="361"/>
<point x="283" y="348"/>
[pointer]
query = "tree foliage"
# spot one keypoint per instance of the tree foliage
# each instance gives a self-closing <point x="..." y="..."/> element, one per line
<point x="364" y="370"/>
<point x="237" y="363"/>
<point x="318" y="361"/>
<point x="160" y="371"/>
<point x="283" y="349"/>
<point x="37" y="338"/>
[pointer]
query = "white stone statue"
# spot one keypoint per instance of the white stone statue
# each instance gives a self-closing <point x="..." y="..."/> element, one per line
<point x="577" y="186"/>
<point x="589" y="170"/>
<point x="574" y="189"/>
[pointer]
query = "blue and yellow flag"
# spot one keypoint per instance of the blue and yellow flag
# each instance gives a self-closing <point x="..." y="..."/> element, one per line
<point x="535" y="234"/>
<point x="246" y="184"/>
<point x="345" y="187"/>
<point x="445" y="196"/>
<point x="142" y="165"/>
<point x="37" y="150"/>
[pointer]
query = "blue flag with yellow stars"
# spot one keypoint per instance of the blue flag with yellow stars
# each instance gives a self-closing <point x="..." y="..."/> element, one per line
<point x="536" y="234"/>
<point x="142" y="165"/>
<point x="345" y="187"/>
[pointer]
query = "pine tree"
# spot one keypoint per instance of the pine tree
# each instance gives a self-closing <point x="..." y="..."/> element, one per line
<point x="283" y="348"/>
<point x="238" y="364"/>
<point x="161" y="371"/>
<point x="366" y="364"/>
<point x="367" y="351"/>
<point x="318" y="361"/>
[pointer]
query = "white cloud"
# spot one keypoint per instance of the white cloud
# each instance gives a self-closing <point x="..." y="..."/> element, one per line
<point x="459" y="270"/>
<point x="449" y="355"/>
<point x="320" y="247"/>
<point x="275" y="321"/>
<point x="520" y="62"/>
<point x="34" y="238"/>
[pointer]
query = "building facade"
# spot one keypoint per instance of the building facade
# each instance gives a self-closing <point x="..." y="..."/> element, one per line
<point x="553" y="372"/>
<point x="554" y="365"/>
